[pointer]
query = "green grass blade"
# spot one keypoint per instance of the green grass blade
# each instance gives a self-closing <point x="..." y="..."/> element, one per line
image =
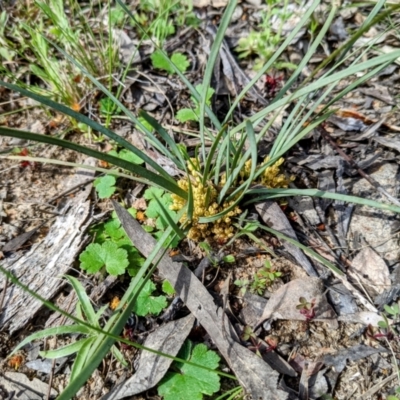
<point x="306" y="17"/>
<point x="106" y="171"/>
<point x="214" y="52"/>
<point x="83" y="300"/>
<point x="176" y="157"/>
<point x="103" y="343"/>
<point x="59" y="330"/>
<point x="190" y="201"/>
<point x="358" y="82"/>
<point x="85" y="120"/>
<point x="251" y="152"/>
<point x="349" y="44"/>
<point x="64" y="351"/>
<point x="164" y="213"/>
<point x="238" y="194"/>
<point x="119" y="356"/>
<point x="223" y="157"/>
<point x="154" y="179"/>
<point x="210" y="157"/>
<point x="238" y="154"/>
<point x="285" y="132"/>
<point x="306" y="249"/>
<point x="310" y="53"/>
<point x="90" y="328"/>
<point x="314" y="86"/>
<point x="81" y="357"/>
<point x="286" y="146"/>
<point x="101" y="311"/>
<point x="277" y="193"/>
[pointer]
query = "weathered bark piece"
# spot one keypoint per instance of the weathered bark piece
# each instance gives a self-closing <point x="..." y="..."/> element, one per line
<point x="41" y="267"/>
<point x="151" y="367"/>
<point x="274" y="217"/>
<point x="23" y="388"/>
<point x="257" y="377"/>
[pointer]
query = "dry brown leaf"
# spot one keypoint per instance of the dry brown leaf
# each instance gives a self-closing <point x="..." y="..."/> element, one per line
<point x="282" y="304"/>
<point x="369" y="270"/>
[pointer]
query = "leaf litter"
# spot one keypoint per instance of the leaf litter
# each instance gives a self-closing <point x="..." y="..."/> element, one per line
<point x="357" y="238"/>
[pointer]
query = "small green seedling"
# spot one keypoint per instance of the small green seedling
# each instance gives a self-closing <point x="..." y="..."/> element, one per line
<point x="387" y="327"/>
<point x="160" y="61"/>
<point x="168" y="15"/>
<point x="216" y="259"/>
<point x="262" y="279"/>
<point x="190" y="382"/>
<point x="117" y="16"/>
<point x="188" y="114"/>
<point x="268" y="273"/>
<point x="264" y="42"/>
<point x="243" y="284"/>
<point x="397" y="397"/>
<point x="247" y="333"/>
<point x="107" y="107"/>
<point x="257" y="345"/>
<point x="306" y="308"/>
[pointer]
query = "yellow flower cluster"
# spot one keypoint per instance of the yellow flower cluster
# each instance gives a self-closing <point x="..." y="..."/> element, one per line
<point x="222" y="228"/>
<point x="271" y="177"/>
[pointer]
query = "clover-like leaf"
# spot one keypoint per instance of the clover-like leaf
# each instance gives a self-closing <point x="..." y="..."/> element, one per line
<point x="153" y="193"/>
<point x="148" y="304"/>
<point x="190" y="382"/>
<point x="127" y="156"/>
<point x="181" y="61"/>
<point x="186" y="114"/>
<point x="105" y="186"/>
<point x="168" y="288"/>
<point x="108" y="254"/>
<point x="160" y="61"/>
<point x="114" y="230"/>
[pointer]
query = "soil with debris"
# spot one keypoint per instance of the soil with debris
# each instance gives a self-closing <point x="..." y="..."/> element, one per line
<point x="315" y="331"/>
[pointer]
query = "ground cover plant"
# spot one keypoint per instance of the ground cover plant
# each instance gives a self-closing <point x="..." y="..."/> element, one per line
<point x="192" y="194"/>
